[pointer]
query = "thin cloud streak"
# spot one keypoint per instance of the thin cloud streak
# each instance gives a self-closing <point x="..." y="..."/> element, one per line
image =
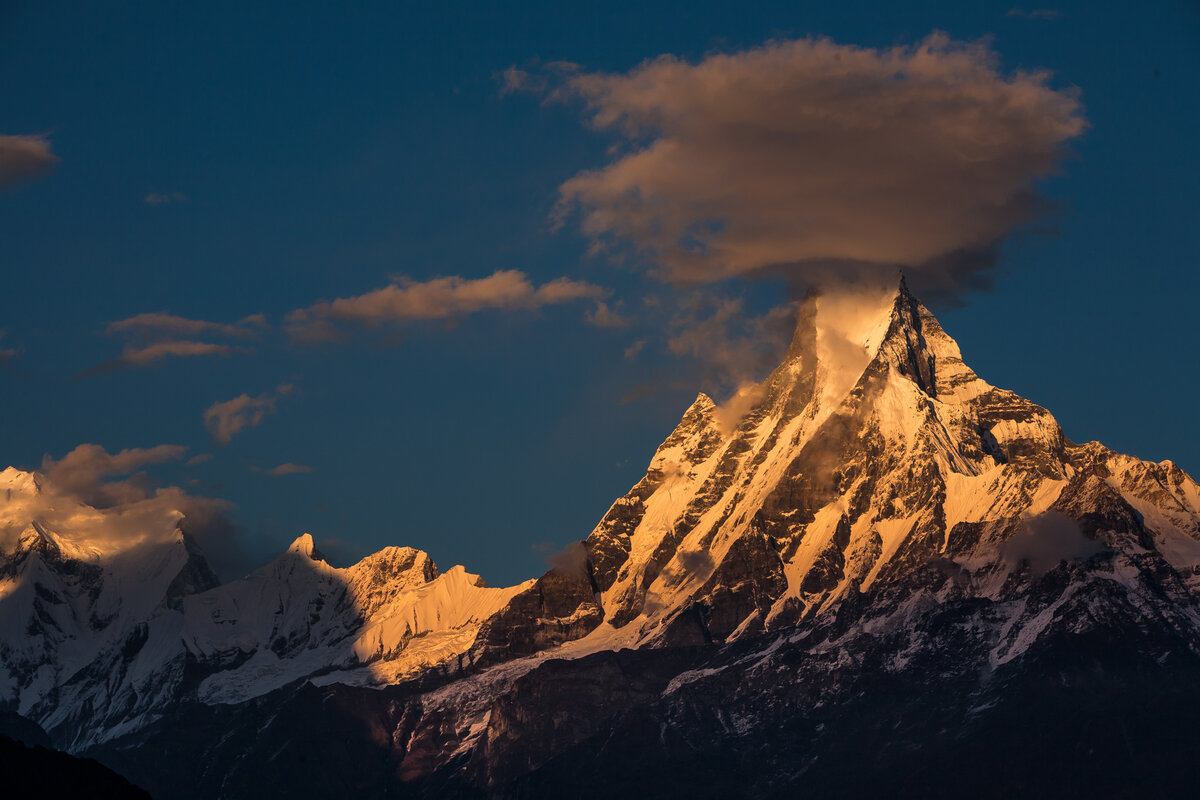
<point x="149" y="354"/>
<point x="406" y="301"/>
<point x="157" y="335"/>
<point x="164" y="198"/>
<point x="6" y="353"/>
<point x="288" y="468"/>
<point x="1037" y="13"/>
<point x="160" y="323"/>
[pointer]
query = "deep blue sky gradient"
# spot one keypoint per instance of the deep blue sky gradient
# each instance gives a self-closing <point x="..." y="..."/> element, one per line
<point x="322" y="151"/>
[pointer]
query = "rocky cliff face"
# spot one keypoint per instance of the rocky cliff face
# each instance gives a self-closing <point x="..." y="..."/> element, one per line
<point x="873" y="550"/>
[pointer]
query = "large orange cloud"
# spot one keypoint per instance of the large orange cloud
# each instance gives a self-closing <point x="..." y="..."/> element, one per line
<point x="806" y="155"/>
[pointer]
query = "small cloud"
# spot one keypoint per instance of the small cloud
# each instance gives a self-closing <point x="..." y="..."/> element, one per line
<point x="225" y="420"/>
<point x="406" y="301"/>
<point x="514" y="80"/>
<point x="1037" y="13"/>
<point x="6" y="353"/>
<point x="162" y="198"/>
<point x="288" y="468"/>
<point x="604" y="317"/>
<point x="1046" y="540"/>
<point x="632" y="351"/>
<point x="695" y="562"/>
<point x="24" y="157"/>
<point x="570" y="562"/>
<point x="199" y="459"/>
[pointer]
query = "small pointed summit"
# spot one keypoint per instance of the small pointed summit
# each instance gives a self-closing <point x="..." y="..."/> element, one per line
<point x="36" y="538"/>
<point x="305" y="546"/>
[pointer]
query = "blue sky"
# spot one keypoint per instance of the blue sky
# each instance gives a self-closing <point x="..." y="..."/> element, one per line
<point x="304" y="154"/>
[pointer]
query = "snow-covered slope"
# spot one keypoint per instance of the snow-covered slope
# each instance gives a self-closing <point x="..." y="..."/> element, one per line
<point x="78" y="588"/>
<point x="107" y="618"/>
<point x="871" y="483"/>
<point x="381" y="620"/>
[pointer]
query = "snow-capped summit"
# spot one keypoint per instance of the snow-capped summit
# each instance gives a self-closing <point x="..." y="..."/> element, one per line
<point x="305" y="546"/>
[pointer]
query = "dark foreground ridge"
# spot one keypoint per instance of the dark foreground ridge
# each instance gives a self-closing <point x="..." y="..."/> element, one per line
<point x="33" y="769"/>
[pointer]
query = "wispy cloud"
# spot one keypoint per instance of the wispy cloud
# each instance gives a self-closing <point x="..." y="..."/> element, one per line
<point x="288" y="468"/>
<point x="604" y="317"/>
<point x="157" y="335"/>
<point x="144" y="355"/>
<point x="225" y="420"/>
<point x="1037" y="13"/>
<point x="406" y="300"/>
<point x="163" y="198"/>
<point x="160" y="323"/>
<point x="6" y="353"/>
<point x="732" y="346"/>
<point x="24" y="157"/>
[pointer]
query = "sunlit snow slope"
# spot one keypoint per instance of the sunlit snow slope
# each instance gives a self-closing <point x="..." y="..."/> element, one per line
<point x="871" y="455"/>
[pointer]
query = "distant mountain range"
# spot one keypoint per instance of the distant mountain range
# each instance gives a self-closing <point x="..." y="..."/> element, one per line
<point x="873" y="574"/>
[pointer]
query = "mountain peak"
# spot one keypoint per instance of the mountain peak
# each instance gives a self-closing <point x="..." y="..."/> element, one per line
<point x="18" y="480"/>
<point x="305" y="546"/>
<point x="36" y="538"/>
